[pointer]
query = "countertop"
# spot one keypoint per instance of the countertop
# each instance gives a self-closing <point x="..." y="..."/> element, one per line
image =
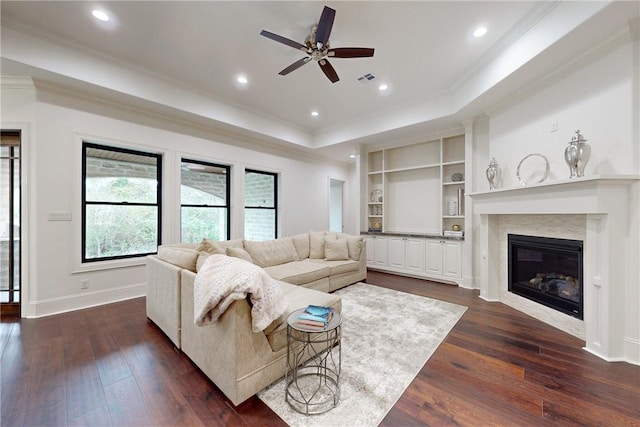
<point x="416" y="235"/>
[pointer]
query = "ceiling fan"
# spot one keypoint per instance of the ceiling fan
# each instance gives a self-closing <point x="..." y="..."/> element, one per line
<point x="316" y="46"/>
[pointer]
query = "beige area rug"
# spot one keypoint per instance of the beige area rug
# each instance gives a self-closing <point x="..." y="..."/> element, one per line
<point x="387" y="337"/>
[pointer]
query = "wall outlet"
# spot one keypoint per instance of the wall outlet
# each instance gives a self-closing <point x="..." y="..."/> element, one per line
<point x="554" y="126"/>
<point x="84" y="284"/>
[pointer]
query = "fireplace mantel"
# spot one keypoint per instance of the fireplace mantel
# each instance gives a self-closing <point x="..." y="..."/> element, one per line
<point x="579" y="195"/>
<point x="604" y="201"/>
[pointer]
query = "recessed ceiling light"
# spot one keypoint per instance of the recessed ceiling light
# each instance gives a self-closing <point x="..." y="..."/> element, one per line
<point x="100" y="15"/>
<point x="352" y="156"/>
<point x="242" y="79"/>
<point x="480" y="31"/>
<point x="315" y="113"/>
<point x="383" y="87"/>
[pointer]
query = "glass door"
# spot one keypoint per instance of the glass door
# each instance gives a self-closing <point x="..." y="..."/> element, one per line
<point x="10" y="222"/>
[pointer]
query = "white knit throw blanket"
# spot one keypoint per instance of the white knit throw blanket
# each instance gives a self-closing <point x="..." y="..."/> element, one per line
<point x="223" y="279"/>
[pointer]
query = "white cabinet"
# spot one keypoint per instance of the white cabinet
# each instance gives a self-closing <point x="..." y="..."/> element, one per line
<point x="376" y="247"/>
<point x="370" y="249"/>
<point x="438" y="259"/>
<point x="380" y="251"/>
<point x="414" y="250"/>
<point x="396" y="252"/>
<point x="444" y="258"/>
<point x="434" y="257"/>
<point x="406" y="253"/>
<point x="452" y="259"/>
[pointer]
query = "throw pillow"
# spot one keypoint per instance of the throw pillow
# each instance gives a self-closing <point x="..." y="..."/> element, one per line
<point x="271" y="252"/>
<point x="336" y="250"/>
<point x="316" y="244"/>
<point x="211" y="247"/>
<point x="354" y="243"/>
<point x="239" y="253"/>
<point x="301" y="243"/>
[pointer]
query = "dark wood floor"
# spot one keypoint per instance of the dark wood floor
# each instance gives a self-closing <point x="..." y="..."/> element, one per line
<point x="109" y="366"/>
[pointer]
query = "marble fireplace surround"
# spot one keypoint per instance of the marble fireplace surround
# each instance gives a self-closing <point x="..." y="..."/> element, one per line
<point x="593" y="209"/>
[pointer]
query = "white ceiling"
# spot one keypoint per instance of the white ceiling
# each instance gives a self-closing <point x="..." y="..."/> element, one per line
<point x="183" y="58"/>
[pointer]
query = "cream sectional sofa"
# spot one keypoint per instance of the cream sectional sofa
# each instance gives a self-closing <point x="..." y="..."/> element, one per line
<point x="240" y="362"/>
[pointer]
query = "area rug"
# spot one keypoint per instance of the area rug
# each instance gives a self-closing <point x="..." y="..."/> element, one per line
<point x="387" y="337"/>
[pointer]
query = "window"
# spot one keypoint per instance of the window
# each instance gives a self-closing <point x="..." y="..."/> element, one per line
<point x="260" y="205"/>
<point x="204" y="201"/>
<point x="121" y="195"/>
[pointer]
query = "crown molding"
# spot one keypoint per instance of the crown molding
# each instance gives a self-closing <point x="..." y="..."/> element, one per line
<point x="16" y="82"/>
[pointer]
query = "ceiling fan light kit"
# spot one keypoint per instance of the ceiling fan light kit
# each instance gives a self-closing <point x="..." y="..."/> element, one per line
<point x="317" y="47"/>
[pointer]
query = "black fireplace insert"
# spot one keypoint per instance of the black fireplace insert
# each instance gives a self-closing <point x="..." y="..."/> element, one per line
<point x="548" y="271"/>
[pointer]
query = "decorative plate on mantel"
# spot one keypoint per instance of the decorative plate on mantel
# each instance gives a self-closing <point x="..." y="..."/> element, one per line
<point x="533" y="169"/>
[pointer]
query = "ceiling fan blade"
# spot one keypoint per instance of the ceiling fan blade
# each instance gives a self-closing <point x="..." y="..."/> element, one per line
<point x="350" y="52"/>
<point x="299" y="63"/>
<point x="284" y="40"/>
<point x="328" y="70"/>
<point x="324" y="26"/>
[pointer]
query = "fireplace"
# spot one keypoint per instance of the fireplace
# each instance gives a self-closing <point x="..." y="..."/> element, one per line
<point x="547" y="271"/>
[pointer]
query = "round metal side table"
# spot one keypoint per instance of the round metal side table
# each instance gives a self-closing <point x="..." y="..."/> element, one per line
<point x="314" y="359"/>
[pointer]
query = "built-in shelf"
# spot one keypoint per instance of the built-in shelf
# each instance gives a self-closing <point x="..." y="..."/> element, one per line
<point x="410" y="178"/>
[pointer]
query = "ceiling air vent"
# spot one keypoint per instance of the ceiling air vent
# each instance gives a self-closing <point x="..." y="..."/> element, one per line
<point x="366" y="78"/>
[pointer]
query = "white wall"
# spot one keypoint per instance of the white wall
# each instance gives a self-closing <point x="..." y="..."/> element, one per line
<point x="59" y="123"/>
<point x="596" y="99"/>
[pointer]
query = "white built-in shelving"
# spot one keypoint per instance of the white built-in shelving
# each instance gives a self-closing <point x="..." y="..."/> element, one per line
<point x="411" y="187"/>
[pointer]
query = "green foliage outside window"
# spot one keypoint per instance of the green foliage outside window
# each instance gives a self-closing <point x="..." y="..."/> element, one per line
<point x="115" y="230"/>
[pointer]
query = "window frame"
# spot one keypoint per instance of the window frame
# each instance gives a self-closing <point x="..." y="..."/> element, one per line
<point x="227" y="192"/>
<point x="275" y="198"/>
<point x="84" y="203"/>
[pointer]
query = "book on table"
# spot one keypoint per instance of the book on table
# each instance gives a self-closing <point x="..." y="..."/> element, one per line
<point x="316" y="317"/>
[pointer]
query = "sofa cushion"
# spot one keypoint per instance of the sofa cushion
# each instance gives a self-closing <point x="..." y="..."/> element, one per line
<point x="301" y="243"/>
<point x="337" y="267"/>
<point x="354" y="244"/>
<point x="299" y="297"/>
<point x="182" y="257"/>
<point x="202" y="257"/>
<point x="239" y="253"/>
<point x="316" y="244"/>
<point x="211" y="247"/>
<point x="235" y="243"/>
<point x="330" y="236"/>
<point x="271" y="252"/>
<point x="336" y="250"/>
<point x="218" y="246"/>
<point x="298" y="272"/>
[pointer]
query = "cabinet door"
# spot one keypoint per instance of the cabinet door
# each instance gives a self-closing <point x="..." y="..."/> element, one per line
<point x="370" y="249"/>
<point x="452" y="262"/>
<point x="414" y="255"/>
<point x="434" y="257"/>
<point x="396" y="252"/>
<point x="380" y="251"/>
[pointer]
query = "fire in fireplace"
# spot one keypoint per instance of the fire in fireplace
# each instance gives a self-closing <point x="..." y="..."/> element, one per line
<point x="548" y="271"/>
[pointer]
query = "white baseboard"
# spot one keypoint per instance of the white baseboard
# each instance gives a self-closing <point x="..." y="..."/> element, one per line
<point x="632" y="350"/>
<point x="79" y="301"/>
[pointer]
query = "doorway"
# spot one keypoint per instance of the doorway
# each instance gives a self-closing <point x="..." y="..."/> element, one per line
<point x="10" y="221"/>
<point x="336" y="190"/>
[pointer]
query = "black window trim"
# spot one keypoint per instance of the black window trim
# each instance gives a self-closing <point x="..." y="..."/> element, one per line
<point x="227" y="195"/>
<point x="86" y="145"/>
<point x="275" y="197"/>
